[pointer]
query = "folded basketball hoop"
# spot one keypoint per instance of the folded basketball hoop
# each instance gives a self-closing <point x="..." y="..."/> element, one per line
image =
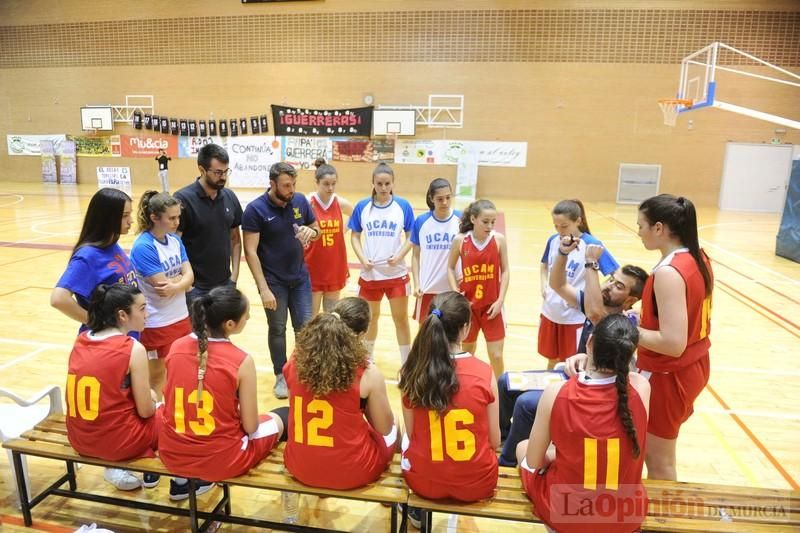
<point x="671" y="107"/>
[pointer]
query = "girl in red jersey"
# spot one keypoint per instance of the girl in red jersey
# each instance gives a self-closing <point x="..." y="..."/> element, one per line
<point x="211" y="427"/>
<point x="326" y="257"/>
<point x="110" y="406"/>
<point x="342" y="433"/>
<point x="676" y="309"/>
<point x="484" y="266"/>
<point x="597" y="422"/>
<point x="450" y="410"/>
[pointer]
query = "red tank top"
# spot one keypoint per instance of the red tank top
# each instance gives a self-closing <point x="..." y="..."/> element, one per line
<point x="450" y="454"/>
<point x="197" y="436"/>
<point x="102" y="420"/>
<point x="326" y="257"/>
<point x="480" y="268"/>
<point x="329" y="443"/>
<point x="594" y="467"/>
<point x="698" y="309"/>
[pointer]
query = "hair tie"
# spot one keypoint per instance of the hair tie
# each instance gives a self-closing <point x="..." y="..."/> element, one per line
<point x="437" y="313"/>
<point x="337" y="315"/>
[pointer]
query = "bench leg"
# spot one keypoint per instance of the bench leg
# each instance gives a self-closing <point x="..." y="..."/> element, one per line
<point x="393" y="510"/>
<point x="193" y="505"/>
<point x="226" y="492"/>
<point x="428" y="521"/>
<point x="404" y="518"/>
<point x="73" y="485"/>
<point x="22" y="489"/>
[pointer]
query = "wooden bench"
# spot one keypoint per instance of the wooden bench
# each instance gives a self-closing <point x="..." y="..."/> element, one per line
<point x="49" y="440"/>
<point x="674" y="506"/>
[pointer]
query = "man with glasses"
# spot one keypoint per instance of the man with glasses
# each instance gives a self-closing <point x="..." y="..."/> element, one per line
<point x="210" y="220"/>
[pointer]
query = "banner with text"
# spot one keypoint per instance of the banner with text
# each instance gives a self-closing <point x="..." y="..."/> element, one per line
<point x="189" y="146"/>
<point x="97" y="146"/>
<point x="148" y="145"/>
<point x="69" y="170"/>
<point x="440" y="152"/>
<point x="362" y="150"/>
<point x="49" y="173"/>
<point x="30" y="144"/>
<point x="114" y="177"/>
<point x="250" y="159"/>
<point x="301" y="152"/>
<point x="355" y="122"/>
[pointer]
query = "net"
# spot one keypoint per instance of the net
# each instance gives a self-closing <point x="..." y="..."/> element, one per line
<point x="671" y="108"/>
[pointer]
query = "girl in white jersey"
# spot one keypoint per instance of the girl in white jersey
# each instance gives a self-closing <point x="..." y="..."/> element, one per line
<point x="560" y="325"/>
<point x="165" y="275"/>
<point x="385" y="221"/>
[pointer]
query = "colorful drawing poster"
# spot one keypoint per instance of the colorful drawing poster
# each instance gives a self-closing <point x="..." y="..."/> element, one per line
<point x="69" y="169"/>
<point x="96" y="146"/>
<point x="48" y="151"/>
<point x="417" y="152"/>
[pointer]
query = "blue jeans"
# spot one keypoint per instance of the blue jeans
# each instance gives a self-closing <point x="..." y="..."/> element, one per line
<point x="196" y="292"/>
<point x="517" y="412"/>
<point x="292" y="299"/>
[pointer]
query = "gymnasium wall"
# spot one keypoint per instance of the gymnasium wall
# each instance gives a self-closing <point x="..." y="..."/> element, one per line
<point x="576" y="80"/>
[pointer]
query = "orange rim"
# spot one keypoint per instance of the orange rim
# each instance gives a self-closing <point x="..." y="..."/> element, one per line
<point x="676" y="101"/>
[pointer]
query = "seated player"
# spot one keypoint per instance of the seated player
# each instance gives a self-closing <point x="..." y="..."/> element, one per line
<point x="211" y="428"/>
<point x="110" y="407"/>
<point x="598" y="422"/>
<point x="341" y="430"/>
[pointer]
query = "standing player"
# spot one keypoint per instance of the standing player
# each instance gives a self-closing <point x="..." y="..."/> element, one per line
<point x="560" y="324"/>
<point x="211" y="428"/>
<point x="383" y="219"/>
<point x="342" y="433"/>
<point x="484" y="265"/>
<point x="596" y="421"/>
<point x="676" y="309"/>
<point x="110" y="409"/>
<point x="450" y="410"/>
<point x="326" y="257"/>
<point x="97" y="256"/>
<point x="431" y="237"/>
<point x="160" y="261"/>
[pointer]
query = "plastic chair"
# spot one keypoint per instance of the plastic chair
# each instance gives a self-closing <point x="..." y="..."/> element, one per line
<point x="16" y="419"/>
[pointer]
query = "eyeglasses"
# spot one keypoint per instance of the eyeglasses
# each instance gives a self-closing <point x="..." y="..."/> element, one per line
<point x="219" y="173"/>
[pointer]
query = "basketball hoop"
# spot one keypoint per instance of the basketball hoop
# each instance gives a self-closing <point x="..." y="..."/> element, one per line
<point x="671" y="107"/>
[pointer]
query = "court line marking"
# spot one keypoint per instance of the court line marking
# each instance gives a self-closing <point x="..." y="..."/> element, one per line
<point x="731" y="451"/>
<point x="19" y="199"/>
<point x="757" y="414"/>
<point x="22" y="358"/>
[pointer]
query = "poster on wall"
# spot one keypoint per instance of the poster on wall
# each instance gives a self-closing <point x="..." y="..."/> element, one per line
<point x="355" y="122"/>
<point x="69" y="169"/>
<point x="114" y="177"/>
<point x="301" y="152"/>
<point x="362" y="150"/>
<point x="97" y="146"/>
<point x="417" y="152"/>
<point x="501" y="154"/>
<point x="148" y="145"/>
<point x="188" y="147"/>
<point x="48" y="151"/>
<point x="467" y="174"/>
<point x="440" y="152"/>
<point x="30" y="144"/>
<point x="250" y="159"/>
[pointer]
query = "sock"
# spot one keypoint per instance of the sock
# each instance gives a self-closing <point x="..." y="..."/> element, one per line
<point x="404" y="349"/>
<point x="283" y="414"/>
<point x="328" y="304"/>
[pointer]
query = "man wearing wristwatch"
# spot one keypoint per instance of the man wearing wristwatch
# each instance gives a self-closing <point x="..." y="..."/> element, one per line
<point x="277" y="226"/>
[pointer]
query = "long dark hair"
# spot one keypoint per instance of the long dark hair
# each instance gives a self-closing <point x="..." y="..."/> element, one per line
<point x="103" y="219"/>
<point x="153" y="203"/>
<point x="573" y="209"/>
<point x="354" y="312"/>
<point x="106" y="301"/>
<point x="615" y="340"/>
<point x="428" y="377"/>
<point x="209" y="313"/>
<point x="323" y="169"/>
<point x="381" y="168"/>
<point x="473" y="210"/>
<point x="436" y="184"/>
<point x="679" y="214"/>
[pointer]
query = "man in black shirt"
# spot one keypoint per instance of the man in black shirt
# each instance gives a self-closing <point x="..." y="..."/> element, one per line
<point x="210" y="220"/>
<point x="163" y="169"/>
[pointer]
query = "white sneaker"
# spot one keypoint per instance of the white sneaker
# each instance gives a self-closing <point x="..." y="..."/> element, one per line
<point x="280" y="390"/>
<point x="122" y="479"/>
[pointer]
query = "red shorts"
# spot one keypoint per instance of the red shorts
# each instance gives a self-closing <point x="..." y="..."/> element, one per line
<point x="493" y="329"/>
<point x="672" y="397"/>
<point x="373" y="291"/>
<point x="160" y="339"/>
<point x="321" y="287"/>
<point x="558" y="341"/>
<point x="422" y="306"/>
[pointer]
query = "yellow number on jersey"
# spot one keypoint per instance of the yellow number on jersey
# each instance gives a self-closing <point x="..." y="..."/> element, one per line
<point x="77" y="390"/>
<point x="327" y="239"/>
<point x="205" y="423"/>
<point x="324" y="420"/>
<point x="448" y="437"/>
<point x="479" y="291"/>
<point x="590" y="464"/>
<point x="705" y="317"/>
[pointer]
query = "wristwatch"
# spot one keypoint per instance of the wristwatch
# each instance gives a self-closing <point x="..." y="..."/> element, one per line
<point x="592" y="264"/>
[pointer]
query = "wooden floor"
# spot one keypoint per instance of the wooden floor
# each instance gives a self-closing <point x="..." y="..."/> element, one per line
<point x="741" y="433"/>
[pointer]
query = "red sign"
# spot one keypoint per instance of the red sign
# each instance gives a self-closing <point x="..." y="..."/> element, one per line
<point x="148" y="145"/>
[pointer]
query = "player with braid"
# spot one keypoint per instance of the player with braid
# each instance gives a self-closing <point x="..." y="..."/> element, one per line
<point x="597" y="422"/>
<point x="211" y="427"/>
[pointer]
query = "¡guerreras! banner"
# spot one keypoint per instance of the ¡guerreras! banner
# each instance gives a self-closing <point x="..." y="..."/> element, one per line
<point x="302" y="122"/>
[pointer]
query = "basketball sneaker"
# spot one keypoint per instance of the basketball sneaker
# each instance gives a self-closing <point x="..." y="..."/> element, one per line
<point x="180" y="491"/>
<point x="122" y="479"/>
